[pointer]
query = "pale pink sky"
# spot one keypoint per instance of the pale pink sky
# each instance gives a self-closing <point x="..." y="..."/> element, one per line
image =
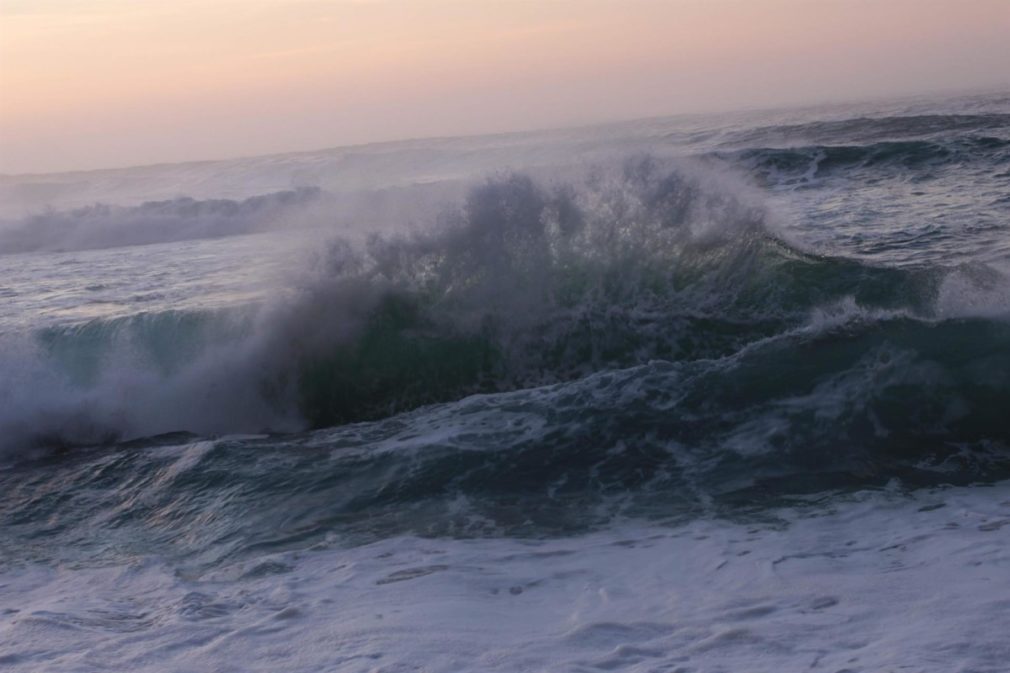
<point x="88" y="84"/>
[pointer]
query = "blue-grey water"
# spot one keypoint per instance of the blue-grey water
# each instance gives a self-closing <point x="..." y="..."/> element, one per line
<point x="688" y="394"/>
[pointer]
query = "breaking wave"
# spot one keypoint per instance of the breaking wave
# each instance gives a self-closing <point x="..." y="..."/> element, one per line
<point x="652" y="281"/>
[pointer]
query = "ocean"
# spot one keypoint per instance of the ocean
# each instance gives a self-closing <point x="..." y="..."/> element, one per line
<point x="693" y="394"/>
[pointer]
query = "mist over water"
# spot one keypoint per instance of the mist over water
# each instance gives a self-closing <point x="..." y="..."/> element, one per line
<point x="500" y="369"/>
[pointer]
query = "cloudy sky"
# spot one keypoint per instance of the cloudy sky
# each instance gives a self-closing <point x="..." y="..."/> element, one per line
<point x="97" y="83"/>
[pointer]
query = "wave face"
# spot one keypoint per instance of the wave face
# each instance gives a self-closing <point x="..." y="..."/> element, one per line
<point x="853" y="405"/>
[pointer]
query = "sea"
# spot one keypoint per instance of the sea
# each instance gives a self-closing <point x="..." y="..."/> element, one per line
<point x="709" y="393"/>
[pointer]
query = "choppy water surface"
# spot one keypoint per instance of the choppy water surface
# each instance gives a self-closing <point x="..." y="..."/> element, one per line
<point x="670" y="395"/>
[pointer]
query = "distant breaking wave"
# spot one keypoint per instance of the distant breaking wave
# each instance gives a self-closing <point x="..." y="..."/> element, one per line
<point x="786" y="166"/>
<point x="873" y="129"/>
<point x="107" y="226"/>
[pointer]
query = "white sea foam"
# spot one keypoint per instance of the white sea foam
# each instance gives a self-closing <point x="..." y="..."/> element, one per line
<point x="870" y="582"/>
